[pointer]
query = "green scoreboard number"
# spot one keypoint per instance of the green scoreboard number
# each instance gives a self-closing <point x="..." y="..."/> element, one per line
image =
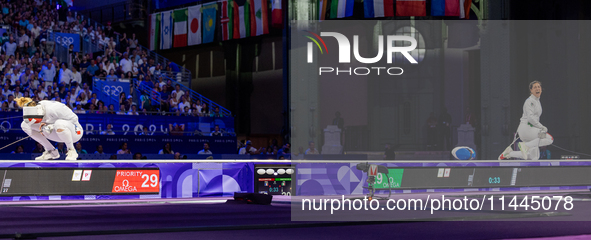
<point x="394" y="177"/>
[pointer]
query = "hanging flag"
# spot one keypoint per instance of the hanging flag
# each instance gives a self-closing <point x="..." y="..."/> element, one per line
<point x="154" y="30"/>
<point x="411" y="8"/>
<point x="194" y="36"/>
<point x="166" y="33"/>
<point x="462" y="14"/>
<point x="240" y="19"/>
<point x="276" y="14"/>
<point x="322" y="9"/>
<point x="180" y="27"/>
<point x="465" y="11"/>
<point x="452" y="7"/>
<point x="378" y="8"/>
<point x="341" y="8"/>
<point x="437" y="7"/>
<point x="225" y="17"/>
<point x="259" y="19"/>
<point x="209" y="21"/>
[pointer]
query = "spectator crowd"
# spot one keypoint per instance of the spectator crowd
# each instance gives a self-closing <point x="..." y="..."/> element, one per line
<point x="29" y="66"/>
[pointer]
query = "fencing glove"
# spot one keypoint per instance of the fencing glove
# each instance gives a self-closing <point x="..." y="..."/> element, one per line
<point x="542" y="133"/>
<point x="47" y="129"/>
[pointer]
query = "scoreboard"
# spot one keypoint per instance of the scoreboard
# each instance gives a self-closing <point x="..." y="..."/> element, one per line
<point x="274" y="179"/>
<point x="483" y="177"/>
<point x="78" y="181"/>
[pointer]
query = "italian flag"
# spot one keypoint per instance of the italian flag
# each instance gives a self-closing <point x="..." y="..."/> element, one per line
<point x="240" y="19"/>
<point x="180" y="28"/>
<point x="259" y="19"/>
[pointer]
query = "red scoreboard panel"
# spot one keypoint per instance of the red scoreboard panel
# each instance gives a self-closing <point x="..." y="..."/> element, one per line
<point x="130" y="181"/>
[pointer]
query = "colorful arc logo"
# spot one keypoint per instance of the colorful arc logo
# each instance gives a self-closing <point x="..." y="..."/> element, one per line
<point x="317" y="44"/>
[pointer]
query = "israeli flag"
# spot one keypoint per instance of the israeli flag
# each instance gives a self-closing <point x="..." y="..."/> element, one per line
<point x="166" y="30"/>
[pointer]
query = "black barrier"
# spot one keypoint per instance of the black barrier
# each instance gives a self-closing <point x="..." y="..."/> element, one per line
<point x="78" y="181"/>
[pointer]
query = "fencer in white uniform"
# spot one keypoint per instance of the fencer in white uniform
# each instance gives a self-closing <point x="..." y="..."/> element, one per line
<point x="531" y="132"/>
<point x="54" y="121"/>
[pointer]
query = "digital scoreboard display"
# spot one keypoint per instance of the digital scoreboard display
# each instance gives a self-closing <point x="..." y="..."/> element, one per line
<point x="483" y="177"/>
<point x="274" y="179"/>
<point x="78" y="181"/>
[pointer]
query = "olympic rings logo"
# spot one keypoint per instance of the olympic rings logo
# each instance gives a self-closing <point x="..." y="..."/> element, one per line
<point x="113" y="90"/>
<point x="64" y="41"/>
<point x="107" y="90"/>
<point x="116" y="90"/>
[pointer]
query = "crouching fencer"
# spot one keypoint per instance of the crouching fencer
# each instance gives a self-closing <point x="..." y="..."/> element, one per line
<point x="531" y="132"/>
<point x="51" y="120"/>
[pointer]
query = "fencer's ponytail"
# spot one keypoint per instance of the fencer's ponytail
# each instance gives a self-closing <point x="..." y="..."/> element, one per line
<point x="25" y="101"/>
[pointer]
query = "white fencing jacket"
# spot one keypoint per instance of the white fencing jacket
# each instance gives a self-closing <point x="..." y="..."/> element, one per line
<point x="532" y="110"/>
<point x="56" y="110"/>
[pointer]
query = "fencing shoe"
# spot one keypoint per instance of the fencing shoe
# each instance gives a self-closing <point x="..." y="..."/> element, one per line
<point x="49" y="155"/>
<point x="72" y="155"/>
<point x="505" y="153"/>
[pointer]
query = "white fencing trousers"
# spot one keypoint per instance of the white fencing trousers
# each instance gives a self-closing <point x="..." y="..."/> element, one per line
<point x="63" y="131"/>
<point x="530" y="136"/>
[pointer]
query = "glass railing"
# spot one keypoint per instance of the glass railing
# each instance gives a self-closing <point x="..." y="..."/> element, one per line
<point x="196" y="96"/>
<point x="183" y="75"/>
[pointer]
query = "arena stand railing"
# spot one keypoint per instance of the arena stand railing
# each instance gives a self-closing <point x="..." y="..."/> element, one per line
<point x="196" y="96"/>
<point x="60" y="52"/>
<point x="137" y="89"/>
<point x="183" y="77"/>
<point x="98" y="85"/>
<point x="140" y="89"/>
<point x="178" y="76"/>
<point x="88" y="46"/>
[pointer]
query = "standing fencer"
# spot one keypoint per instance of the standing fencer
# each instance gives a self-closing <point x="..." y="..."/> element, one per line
<point x="531" y="132"/>
<point x="51" y="120"/>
